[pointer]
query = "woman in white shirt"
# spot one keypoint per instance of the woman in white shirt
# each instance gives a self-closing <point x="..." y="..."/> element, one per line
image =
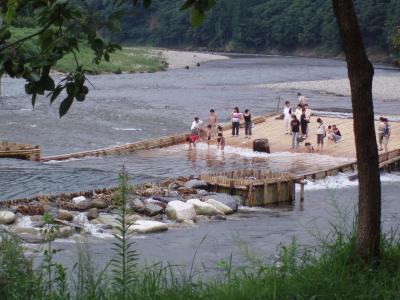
<point x="287" y="117"/>
<point x="235" y="117"/>
<point x="320" y="134"/>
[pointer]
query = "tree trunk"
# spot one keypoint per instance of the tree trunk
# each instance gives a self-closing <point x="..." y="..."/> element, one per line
<point x="361" y="72"/>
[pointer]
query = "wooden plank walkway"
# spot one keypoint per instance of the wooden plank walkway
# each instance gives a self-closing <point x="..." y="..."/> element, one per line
<point x="273" y="130"/>
<point x="19" y="151"/>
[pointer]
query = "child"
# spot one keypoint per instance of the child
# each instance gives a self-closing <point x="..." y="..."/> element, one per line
<point x="192" y="139"/>
<point x="209" y="134"/>
<point x="295" y="127"/>
<point x="321" y="134"/>
<point x="221" y="139"/>
<point x="310" y="147"/>
<point x="287" y="117"/>
<point x="247" y="123"/>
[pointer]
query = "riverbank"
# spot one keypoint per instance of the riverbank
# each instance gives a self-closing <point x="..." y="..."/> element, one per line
<point x="384" y="87"/>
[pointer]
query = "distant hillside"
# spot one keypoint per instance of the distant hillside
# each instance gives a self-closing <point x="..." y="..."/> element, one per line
<point x="261" y="26"/>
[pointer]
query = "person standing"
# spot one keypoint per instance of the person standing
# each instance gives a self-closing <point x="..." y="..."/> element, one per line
<point x="302" y="99"/>
<point x="304" y="124"/>
<point x="381" y="129"/>
<point x="295" y="127"/>
<point x="320" y="134"/>
<point x="247" y="123"/>
<point x="221" y="139"/>
<point x="235" y="118"/>
<point x="386" y="135"/>
<point x="298" y="111"/>
<point x="212" y="121"/>
<point x="287" y="117"/>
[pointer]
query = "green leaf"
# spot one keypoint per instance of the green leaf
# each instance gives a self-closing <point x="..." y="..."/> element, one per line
<point x="196" y="18"/>
<point x="65" y="105"/>
<point x="55" y="93"/>
<point x="187" y="4"/>
<point x="146" y="3"/>
<point x="11" y="8"/>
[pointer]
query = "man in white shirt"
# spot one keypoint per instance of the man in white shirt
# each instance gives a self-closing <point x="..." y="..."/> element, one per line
<point x="196" y="125"/>
<point x="287" y="116"/>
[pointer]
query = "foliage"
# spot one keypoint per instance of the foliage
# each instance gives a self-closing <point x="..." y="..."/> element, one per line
<point x="260" y="25"/>
<point x="124" y="263"/>
<point x="61" y="26"/>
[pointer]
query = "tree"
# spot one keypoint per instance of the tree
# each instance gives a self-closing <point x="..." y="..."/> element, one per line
<point x="60" y="27"/>
<point x="360" y="73"/>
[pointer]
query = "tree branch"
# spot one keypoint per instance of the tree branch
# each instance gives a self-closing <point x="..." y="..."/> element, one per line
<point x="28" y="37"/>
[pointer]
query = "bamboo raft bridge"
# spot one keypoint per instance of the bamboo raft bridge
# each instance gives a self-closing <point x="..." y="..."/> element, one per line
<point x="260" y="187"/>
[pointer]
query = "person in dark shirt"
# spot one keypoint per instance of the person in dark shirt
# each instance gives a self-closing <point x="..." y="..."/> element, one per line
<point x="295" y="126"/>
<point x="247" y="123"/>
<point x="304" y="123"/>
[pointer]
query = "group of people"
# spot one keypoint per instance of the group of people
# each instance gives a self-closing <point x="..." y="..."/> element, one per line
<point x="214" y="130"/>
<point x="297" y="123"/>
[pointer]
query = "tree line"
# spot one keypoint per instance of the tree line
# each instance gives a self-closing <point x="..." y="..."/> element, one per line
<point x="260" y="25"/>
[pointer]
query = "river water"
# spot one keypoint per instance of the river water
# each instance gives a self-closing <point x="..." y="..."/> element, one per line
<point x="131" y="107"/>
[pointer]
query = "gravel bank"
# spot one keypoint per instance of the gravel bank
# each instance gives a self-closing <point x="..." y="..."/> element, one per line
<point x="181" y="59"/>
<point x="384" y="87"/>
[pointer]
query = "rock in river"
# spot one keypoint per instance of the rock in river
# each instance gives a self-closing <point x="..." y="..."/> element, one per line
<point x="180" y="211"/>
<point x="146" y="226"/>
<point x="225" y="209"/>
<point x="203" y="208"/>
<point x="65" y="215"/>
<point x="225" y="199"/>
<point x="92" y="213"/>
<point x="196" y="184"/>
<point x="7" y="217"/>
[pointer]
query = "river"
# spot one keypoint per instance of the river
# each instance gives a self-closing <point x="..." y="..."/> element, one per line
<point x="131" y="107"/>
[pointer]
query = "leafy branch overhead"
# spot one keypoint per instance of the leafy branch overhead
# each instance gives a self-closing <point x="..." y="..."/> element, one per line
<point x="60" y="27"/>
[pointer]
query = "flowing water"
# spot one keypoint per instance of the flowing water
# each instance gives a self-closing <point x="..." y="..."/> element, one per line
<point x="130" y="107"/>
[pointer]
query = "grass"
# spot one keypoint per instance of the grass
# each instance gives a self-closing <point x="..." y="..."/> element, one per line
<point x="129" y="60"/>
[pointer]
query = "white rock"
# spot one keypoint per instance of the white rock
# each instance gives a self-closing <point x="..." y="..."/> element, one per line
<point x="180" y="211"/>
<point x="203" y="208"/>
<point x="225" y="209"/>
<point x="110" y="220"/>
<point x="79" y="199"/>
<point x="7" y="217"/>
<point x="146" y="226"/>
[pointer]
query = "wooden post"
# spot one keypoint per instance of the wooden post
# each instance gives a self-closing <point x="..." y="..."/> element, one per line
<point x="278" y="104"/>
<point x="302" y="191"/>
<point x="265" y="193"/>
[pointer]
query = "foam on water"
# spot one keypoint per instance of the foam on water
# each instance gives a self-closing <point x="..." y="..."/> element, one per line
<point x="24" y="222"/>
<point x="127" y="129"/>
<point x="95" y="230"/>
<point x="342" y="180"/>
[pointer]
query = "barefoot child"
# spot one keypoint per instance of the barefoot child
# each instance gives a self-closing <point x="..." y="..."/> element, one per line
<point x="221" y="139"/>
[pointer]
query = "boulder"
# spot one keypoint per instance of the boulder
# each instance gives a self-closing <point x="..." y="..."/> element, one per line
<point x="108" y="220"/>
<point x="196" y="184"/>
<point x="7" y="217"/>
<point x="146" y="226"/>
<point x="92" y="213"/>
<point x="167" y="199"/>
<point x="65" y="215"/>
<point x="261" y="145"/>
<point x="137" y="205"/>
<point x="153" y="207"/>
<point x="202" y="219"/>
<point x="96" y="203"/>
<point x="225" y="209"/>
<point x="203" y="208"/>
<point x="79" y="199"/>
<point x="31" y="238"/>
<point x="180" y="211"/>
<point x="202" y="193"/>
<point x="64" y="232"/>
<point x="226" y="199"/>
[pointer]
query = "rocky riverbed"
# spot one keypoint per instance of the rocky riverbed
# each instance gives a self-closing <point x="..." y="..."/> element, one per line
<point x="178" y="203"/>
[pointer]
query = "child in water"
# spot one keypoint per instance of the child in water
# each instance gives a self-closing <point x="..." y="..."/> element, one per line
<point x="221" y="139"/>
<point x="309" y="147"/>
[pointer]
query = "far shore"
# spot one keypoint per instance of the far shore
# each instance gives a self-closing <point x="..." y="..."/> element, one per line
<point x="183" y="59"/>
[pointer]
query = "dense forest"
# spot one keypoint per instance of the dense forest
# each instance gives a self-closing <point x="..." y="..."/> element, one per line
<point x="260" y="25"/>
<point x="250" y="25"/>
